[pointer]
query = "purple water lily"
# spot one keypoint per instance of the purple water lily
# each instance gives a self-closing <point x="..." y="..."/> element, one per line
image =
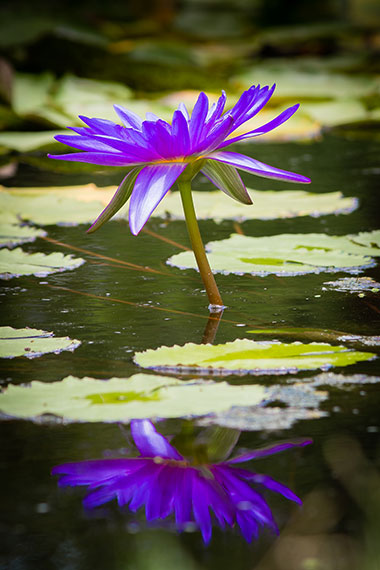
<point x="159" y="152"/>
<point x="166" y="483"/>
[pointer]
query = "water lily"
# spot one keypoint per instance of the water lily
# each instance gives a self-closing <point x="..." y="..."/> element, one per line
<point x="159" y="153"/>
<point x="167" y="483"/>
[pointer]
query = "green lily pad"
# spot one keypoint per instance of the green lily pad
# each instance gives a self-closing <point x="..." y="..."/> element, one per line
<point x="299" y="79"/>
<point x="360" y="285"/>
<point x="267" y="205"/>
<point x="32" y="343"/>
<point x="123" y="399"/>
<point x="248" y="356"/>
<point x="332" y="113"/>
<point x="30" y="92"/>
<point x="26" y="142"/>
<point x="17" y="262"/>
<point x="13" y="234"/>
<point x="82" y="204"/>
<point x="287" y="254"/>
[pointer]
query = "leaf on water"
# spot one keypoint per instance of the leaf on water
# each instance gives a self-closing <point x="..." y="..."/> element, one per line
<point x="26" y="142"/>
<point x="244" y="356"/>
<point x="13" y="234"/>
<point x="332" y="113"/>
<point x="302" y="400"/>
<point x="30" y="92"/>
<point x="123" y="399"/>
<point x="360" y="285"/>
<point x="287" y="254"/>
<point x="32" y="343"/>
<point x="83" y="204"/>
<point x="267" y="205"/>
<point x="17" y="262"/>
<point x="319" y="335"/>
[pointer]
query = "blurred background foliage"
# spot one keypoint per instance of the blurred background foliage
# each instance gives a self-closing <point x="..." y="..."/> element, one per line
<point x="63" y="58"/>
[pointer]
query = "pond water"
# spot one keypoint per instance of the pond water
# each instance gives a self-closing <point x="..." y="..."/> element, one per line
<point x="116" y="311"/>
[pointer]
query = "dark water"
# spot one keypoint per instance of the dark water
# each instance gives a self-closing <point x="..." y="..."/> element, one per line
<point x="116" y="311"/>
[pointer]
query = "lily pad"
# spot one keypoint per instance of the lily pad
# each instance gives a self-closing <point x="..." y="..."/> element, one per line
<point x="32" y="343"/>
<point x="267" y="205"/>
<point x="26" y="142"/>
<point x="82" y="204"/>
<point x="287" y="254"/>
<point x="13" y="234"/>
<point x="361" y="285"/>
<point x="17" y="262"/>
<point x="123" y="399"/>
<point x="244" y="356"/>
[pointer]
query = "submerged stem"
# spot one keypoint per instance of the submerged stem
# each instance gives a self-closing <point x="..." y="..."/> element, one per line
<point x="198" y="247"/>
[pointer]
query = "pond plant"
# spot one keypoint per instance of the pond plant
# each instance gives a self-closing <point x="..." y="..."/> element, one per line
<point x="158" y="154"/>
<point x="167" y="483"/>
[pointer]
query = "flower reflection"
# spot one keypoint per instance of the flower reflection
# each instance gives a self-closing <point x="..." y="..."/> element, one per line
<point x="165" y="482"/>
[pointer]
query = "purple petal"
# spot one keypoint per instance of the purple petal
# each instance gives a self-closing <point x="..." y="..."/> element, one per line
<point x="217" y="109"/>
<point x="101" y="158"/>
<point x="270" y="450"/>
<point x="101" y="126"/>
<point x="214" y="136"/>
<point x="180" y="133"/>
<point x="197" y="121"/>
<point x="183" y="496"/>
<point x="150" y="443"/>
<point x="201" y="507"/>
<point x="159" y="135"/>
<point x="151" y="185"/>
<point x="94" y="472"/>
<point x="257" y="167"/>
<point x="248" y="525"/>
<point x="270" y="126"/>
<point x="273" y="485"/>
<point x="129" y="118"/>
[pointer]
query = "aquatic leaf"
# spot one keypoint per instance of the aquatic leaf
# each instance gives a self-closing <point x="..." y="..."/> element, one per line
<point x="287" y="254"/>
<point x="359" y="285"/>
<point x="17" y="262"/>
<point x="13" y="234"/>
<point x="56" y="206"/>
<point x="248" y="356"/>
<point x="331" y="113"/>
<point x="267" y="205"/>
<point x="123" y="399"/>
<point x="32" y="342"/>
<point x="26" y="142"/>
<point x="30" y="92"/>
<point x="319" y="335"/>
<point x="298" y="79"/>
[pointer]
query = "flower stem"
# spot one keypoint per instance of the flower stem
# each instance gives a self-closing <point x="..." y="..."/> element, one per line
<point x="198" y="247"/>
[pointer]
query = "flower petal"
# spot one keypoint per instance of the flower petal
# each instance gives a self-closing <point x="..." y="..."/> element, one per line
<point x="101" y="158"/>
<point x="273" y="485"/>
<point x="197" y="121"/>
<point x="270" y="450"/>
<point x="152" y="183"/>
<point x="227" y="179"/>
<point x="270" y="126"/>
<point x="201" y="507"/>
<point x="180" y="133"/>
<point x="150" y="443"/>
<point x="256" y="167"/>
<point x="120" y="197"/>
<point x="96" y="472"/>
<point x="129" y="118"/>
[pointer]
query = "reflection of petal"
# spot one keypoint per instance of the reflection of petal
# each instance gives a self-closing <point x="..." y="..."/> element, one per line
<point x="150" y="443"/>
<point x="270" y="450"/>
<point x="163" y="482"/>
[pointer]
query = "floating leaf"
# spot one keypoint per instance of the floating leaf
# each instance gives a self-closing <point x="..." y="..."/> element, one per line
<point x="247" y="356"/>
<point x="287" y="254"/>
<point x="267" y="205"/>
<point x="13" y="234"/>
<point x="30" y="92"/>
<point x="32" y="342"/>
<point x="83" y="204"/>
<point x="332" y="113"/>
<point x="25" y="142"/>
<point x="359" y="285"/>
<point x="123" y="399"/>
<point x="17" y="262"/>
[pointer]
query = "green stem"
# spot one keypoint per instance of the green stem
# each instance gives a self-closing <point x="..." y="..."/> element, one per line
<point x="198" y="247"/>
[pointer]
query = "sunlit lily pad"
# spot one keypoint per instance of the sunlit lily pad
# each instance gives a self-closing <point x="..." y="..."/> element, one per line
<point x="17" y="262"/>
<point x="122" y="399"/>
<point x="267" y="205"/>
<point x="25" y="141"/>
<point x="32" y="343"/>
<point x="248" y="356"/>
<point x="287" y="254"/>
<point x="13" y="234"/>
<point x="360" y="285"/>
<point x="82" y="204"/>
